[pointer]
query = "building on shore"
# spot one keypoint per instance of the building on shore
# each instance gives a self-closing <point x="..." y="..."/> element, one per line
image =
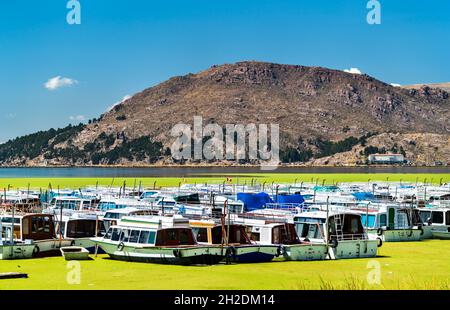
<point x="386" y="159"/>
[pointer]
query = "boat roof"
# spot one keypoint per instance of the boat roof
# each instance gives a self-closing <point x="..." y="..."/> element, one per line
<point x="155" y="222"/>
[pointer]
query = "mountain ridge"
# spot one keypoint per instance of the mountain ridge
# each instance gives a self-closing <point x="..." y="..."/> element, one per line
<point x="319" y="110"/>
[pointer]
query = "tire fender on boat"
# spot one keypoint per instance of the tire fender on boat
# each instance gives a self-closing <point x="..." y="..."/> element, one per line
<point x="380" y="242"/>
<point x="120" y="246"/>
<point x="177" y="253"/>
<point x="380" y="231"/>
<point x="72" y="243"/>
<point x="421" y="230"/>
<point x="36" y="251"/>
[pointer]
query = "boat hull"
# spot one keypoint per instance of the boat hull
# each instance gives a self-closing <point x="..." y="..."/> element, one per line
<point x="354" y="249"/>
<point x="252" y="253"/>
<point x="44" y="248"/>
<point x="22" y="251"/>
<point x="305" y="252"/>
<point x="201" y="255"/>
<point x="400" y="235"/>
<point x="443" y="235"/>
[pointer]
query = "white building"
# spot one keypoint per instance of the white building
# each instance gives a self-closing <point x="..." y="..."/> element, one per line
<point x="386" y="159"/>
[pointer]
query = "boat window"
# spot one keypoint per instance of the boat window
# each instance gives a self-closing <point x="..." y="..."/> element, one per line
<point x="175" y="236"/>
<point x="147" y="237"/>
<point x="46" y="223"/>
<point x="111" y="215"/>
<point x="125" y="235"/>
<point x="201" y="234"/>
<point x="354" y="226"/>
<point x="152" y="237"/>
<point x="383" y="220"/>
<point x="370" y="222"/>
<point x="447" y="218"/>
<point x="425" y="215"/>
<point x="108" y="233"/>
<point x="115" y="234"/>
<point x="437" y="217"/>
<point x="9" y="220"/>
<point x="255" y="236"/>
<point x="403" y="219"/>
<point x="134" y="236"/>
<point x="143" y="237"/>
<point x="37" y="224"/>
<point x="309" y="220"/>
<point x="312" y="231"/>
<point x="25" y="228"/>
<point x="81" y="228"/>
<point x="184" y="237"/>
<point x="284" y="234"/>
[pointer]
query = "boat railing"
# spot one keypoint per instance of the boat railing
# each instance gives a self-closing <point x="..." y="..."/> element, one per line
<point x="349" y="237"/>
<point x="292" y="207"/>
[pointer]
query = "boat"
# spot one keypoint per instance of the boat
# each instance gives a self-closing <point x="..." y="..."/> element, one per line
<point x="74" y="253"/>
<point x="341" y="231"/>
<point x="79" y="228"/>
<point x="40" y="228"/>
<point x="157" y="239"/>
<point x="11" y="249"/>
<point x="392" y="223"/>
<point x="239" y="248"/>
<point x="437" y="220"/>
<point x="285" y="235"/>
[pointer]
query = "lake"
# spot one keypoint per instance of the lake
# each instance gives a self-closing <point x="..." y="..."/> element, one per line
<point x="191" y="171"/>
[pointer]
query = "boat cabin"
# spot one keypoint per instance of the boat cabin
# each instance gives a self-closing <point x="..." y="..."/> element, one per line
<point x="341" y="226"/>
<point x="208" y="232"/>
<point x="435" y="216"/>
<point x="31" y="226"/>
<point x="157" y="231"/>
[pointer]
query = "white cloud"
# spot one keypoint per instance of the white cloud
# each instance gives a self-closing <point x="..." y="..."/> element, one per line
<point x="125" y="98"/>
<point x="78" y="118"/>
<point x="396" y="85"/>
<point x="353" y="71"/>
<point x="11" y="116"/>
<point x="58" y="82"/>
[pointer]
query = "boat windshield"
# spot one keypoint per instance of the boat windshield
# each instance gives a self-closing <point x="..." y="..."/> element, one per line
<point x="175" y="237"/>
<point x="237" y="234"/>
<point x="129" y="235"/>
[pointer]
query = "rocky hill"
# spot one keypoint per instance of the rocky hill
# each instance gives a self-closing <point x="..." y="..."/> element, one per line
<point x="325" y="116"/>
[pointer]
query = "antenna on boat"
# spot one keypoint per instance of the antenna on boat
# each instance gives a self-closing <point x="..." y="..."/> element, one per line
<point x="326" y="230"/>
<point x="12" y="230"/>
<point x="60" y="220"/>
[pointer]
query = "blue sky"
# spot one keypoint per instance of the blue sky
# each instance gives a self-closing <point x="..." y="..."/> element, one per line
<point x="122" y="47"/>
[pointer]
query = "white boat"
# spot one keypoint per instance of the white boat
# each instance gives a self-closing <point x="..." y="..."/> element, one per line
<point x="392" y="223"/>
<point x="11" y="249"/>
<point x="79" y="228"/>
<point x="238" y="247"/>
<point x="285" y="236"/>
<point x="157" y="239"/>
<point x="437" y="221"/>
<point x="74" y="253"/>
<point x="341" y="231"/>
<point x="37" y="227"/>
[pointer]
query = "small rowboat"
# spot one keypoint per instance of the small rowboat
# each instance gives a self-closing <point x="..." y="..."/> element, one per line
<point x="75" y="253"/>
